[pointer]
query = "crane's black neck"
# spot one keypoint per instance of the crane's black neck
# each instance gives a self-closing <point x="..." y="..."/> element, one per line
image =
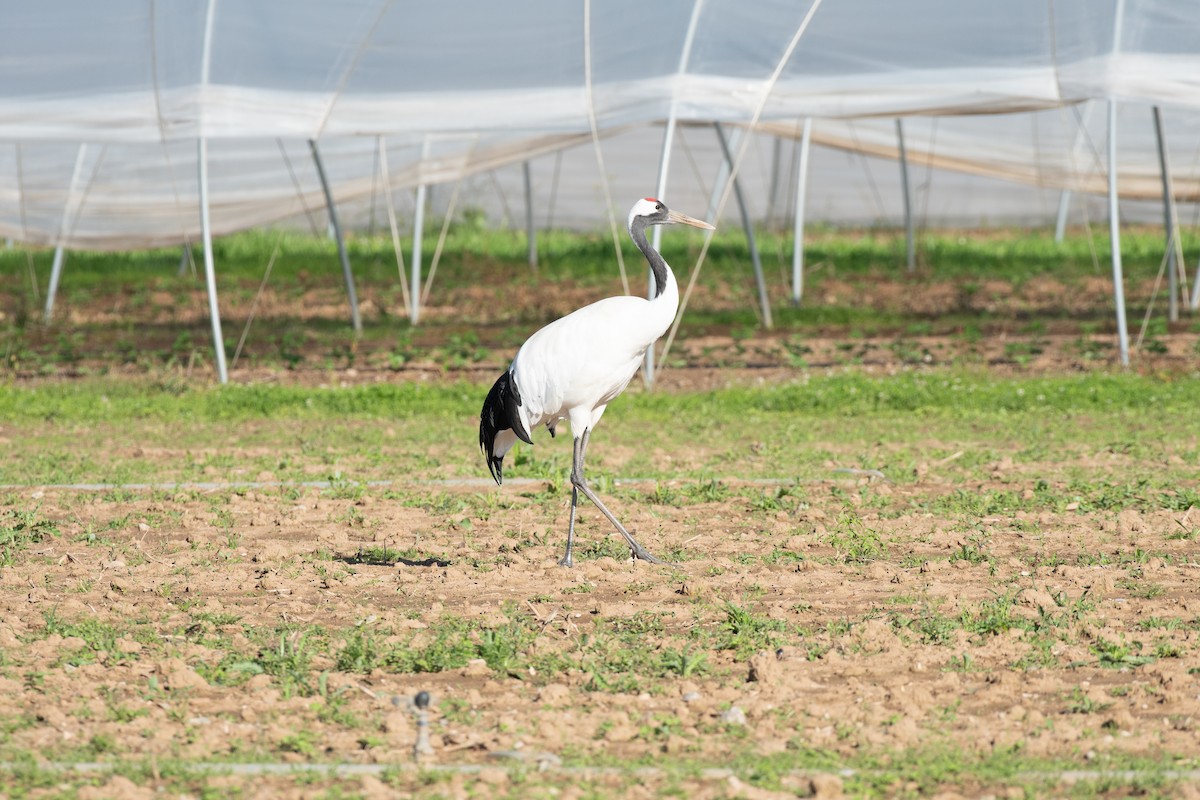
<point x="658" y="264"/>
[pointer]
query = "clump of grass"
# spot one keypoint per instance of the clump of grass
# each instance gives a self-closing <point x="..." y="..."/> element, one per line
<point x="1119" y="654"/>
<point x="994" y="616"/>
<point x="285" y="654"/>
<point x="99" y="637"/>
<point x="1079" y="703"/>
<point x="745" y="632"/>
<point x="930" y="625"/>
<point x="20" y="528"/>
<point x="854" y="542"/>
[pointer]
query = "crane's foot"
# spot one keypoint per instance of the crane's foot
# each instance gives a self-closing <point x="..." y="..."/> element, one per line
<point x="642" y="554"/>
<point x="566" y="561"/>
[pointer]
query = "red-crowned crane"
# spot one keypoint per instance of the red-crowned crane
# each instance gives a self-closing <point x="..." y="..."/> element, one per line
<point x="573" y="368"/>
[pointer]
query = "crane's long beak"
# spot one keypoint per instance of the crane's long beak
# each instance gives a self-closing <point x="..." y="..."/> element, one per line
<point x="675" y="216"/>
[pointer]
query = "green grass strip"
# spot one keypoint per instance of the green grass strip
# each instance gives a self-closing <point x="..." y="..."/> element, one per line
<point x="936" y="392"/>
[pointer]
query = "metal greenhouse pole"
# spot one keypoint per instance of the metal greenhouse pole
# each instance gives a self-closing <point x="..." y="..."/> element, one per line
<point x="1169" y="217"/>
<point x="748" y="226"/>
<point x="392" y="223"/>
<point x="1060" y="222"/>
<point x="910" y="245"/>
<point x="721" y="179"/>
<point x="210" y="273"/>
<point x="414" y="313"/>
<point x="798" y="227"/>
<point x="418" y="231"/>
<point x="1064" y="199"/>
<point x="185" y="258"/>
<point x="60" y="250"/>
<point x="52" y="289"/>
<point x="530" y="229"/>
<point x="348" y="276"/>
<point x="1114" y="235"/>
<point x="773" y="188"/>
<point x="664" y="163"/>
<point x="1114" y="213"/>
<point x="660" y="189"/>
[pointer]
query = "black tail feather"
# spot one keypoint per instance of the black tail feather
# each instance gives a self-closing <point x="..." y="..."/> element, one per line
<point x="496" y="467"/>
<point x="500" y="413"/>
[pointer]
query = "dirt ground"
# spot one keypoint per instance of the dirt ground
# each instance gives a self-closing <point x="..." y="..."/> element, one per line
<point x="195" y="577"/>
<point x="1066" y="637"/>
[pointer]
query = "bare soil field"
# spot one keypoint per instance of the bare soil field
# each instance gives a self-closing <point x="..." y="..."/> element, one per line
<point x="920" y="634"/>
<point x="858" y="635"/>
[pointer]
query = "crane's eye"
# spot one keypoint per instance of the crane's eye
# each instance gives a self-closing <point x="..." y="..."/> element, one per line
<point x="658" y="206"/>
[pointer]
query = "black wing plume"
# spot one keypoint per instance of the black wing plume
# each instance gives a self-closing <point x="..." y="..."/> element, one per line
<point x="499" y="413"/>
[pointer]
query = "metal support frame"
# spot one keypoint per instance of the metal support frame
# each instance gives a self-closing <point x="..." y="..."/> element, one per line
<point x="530" y="229"/>
<point x="1064" y="199"/>
<point x="336" y="230"/>
<point x="414" y="310"/>
<point x="773" y="189"/>
<point x="393" y="225"/>
<point x="210" y="273"/>
<point x="798" y="225"/>
<point x="909" y="239"/>
<point x="414" y="313"/>
<point x="722" y="177"/>
<point x="185" y="259"/>
<point x="1060" y="222"/>
<point x="1169" y="218"/>
<point x="748" y="226"/>
<point x="56" y="268"/>
<point x="1195" y="299"/>
<point x="1114" y="234"/>
<point x="60" y="250"/>
<point x="664" y="162"/>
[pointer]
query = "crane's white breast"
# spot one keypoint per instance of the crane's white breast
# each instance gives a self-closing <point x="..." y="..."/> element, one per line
<point x="582" y="360"/>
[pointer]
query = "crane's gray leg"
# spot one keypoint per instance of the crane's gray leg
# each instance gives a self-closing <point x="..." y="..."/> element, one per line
<point x="578" y="482"/>
<point x="579" y="452"/>
<point x="567" y="560"/>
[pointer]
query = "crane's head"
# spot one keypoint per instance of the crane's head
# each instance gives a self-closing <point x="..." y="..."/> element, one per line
<point x="649" y="211"/>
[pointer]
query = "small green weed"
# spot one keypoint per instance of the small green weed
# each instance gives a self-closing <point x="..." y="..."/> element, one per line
<point x="20" y="528"/>
<point x="1119" y="654"/>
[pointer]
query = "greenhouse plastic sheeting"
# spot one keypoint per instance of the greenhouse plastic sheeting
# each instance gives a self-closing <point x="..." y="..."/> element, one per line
<point x="101" y="104"/>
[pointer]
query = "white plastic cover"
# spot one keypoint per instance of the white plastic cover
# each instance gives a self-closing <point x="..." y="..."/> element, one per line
<point x="101" y="104"/>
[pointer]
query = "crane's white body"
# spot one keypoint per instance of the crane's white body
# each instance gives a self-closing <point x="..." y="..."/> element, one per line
<point x="573" y="368"/>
